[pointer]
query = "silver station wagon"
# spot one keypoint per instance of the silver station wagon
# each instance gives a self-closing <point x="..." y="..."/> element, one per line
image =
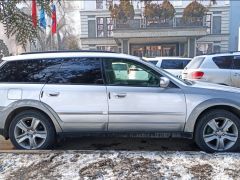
<point x="50" y="95"/>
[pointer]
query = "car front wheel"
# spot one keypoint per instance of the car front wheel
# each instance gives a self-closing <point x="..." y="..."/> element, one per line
<point x="218" y="131"/>
<point x="31" y="130"/>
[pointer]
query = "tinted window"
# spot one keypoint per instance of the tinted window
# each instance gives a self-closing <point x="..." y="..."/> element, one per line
<point x="195" y="63"/>
<point x="79" y="71"/>
<point x="236" y="62"/>
<point x="29" y="71"/>
<point x="172" y="64"/>
<point x="135" y="75"/>
<point x="185" y="63"/>
<point x="153" y="62"/>
<point x="223" y="62"/>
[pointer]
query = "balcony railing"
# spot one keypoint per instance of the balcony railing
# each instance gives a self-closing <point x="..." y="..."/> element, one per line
<point x="150" y="24"/>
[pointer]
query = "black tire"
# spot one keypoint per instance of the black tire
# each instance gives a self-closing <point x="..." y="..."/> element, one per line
<point x="50" y="138"/>
<point x="205" y="119"/>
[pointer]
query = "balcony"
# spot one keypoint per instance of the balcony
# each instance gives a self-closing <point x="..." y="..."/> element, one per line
<point x="156" y="28"/>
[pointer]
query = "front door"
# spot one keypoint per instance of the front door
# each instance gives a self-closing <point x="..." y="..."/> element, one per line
<point x="137" y="103"/>
<point x="78" y="95"/>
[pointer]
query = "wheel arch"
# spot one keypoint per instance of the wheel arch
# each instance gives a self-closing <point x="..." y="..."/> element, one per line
<point x="21" y="106"/>
<point x="207" y="106"/>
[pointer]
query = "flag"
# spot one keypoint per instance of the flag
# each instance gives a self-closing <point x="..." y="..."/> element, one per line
<point x="34" y="13"/>
<point x="42" y="20"/>
<point x="54" y="19"/>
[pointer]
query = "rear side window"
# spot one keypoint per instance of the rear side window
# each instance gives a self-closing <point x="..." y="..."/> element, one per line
<point x="85" y="71"/>
<point x="29" y="71"/>
<point x="195" y="63"/>
<point x="185" y="63"/>
<point x="172" y="64"/>
<point x="224" y="62"/>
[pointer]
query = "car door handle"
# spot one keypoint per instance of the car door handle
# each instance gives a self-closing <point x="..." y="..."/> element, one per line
<point x="119" y="95"/>
<point x="53" y="94"/>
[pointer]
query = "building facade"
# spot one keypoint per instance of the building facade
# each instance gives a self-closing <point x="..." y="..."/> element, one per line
<point x="144" y="38"/>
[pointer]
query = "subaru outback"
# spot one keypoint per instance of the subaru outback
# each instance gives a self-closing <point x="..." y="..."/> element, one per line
<point x="46" y="96"/>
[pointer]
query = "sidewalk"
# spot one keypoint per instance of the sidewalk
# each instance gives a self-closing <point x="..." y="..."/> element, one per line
<point x="5" y="145"/>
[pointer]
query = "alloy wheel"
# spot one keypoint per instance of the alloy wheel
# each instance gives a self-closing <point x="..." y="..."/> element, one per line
<point x="30" y="133"/>
<point x="220" y="134"/>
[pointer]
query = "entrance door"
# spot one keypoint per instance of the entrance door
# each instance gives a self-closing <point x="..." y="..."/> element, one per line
<point x="137" y="103"/>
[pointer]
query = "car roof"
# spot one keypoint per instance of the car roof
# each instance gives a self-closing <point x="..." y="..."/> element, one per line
<point x="166" y="58"/>
<point x="219" y="54"/>
<point x="47" y="55"/>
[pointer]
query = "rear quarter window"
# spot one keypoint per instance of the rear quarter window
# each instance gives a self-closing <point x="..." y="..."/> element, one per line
<point x="29" y="71"/>
<point x="224" y="62"/>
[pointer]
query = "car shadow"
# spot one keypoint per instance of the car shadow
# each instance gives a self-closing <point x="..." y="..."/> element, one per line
<point x="127" y="144"/>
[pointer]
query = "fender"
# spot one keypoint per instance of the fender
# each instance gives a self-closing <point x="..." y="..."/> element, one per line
<point x="6" y="111"/>
<point x="192" y="118"/>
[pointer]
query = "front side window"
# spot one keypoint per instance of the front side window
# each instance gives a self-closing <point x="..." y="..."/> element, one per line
<point x="223" y="62"/>
<point x="120" y="72"/>
<point x="29" y="71"/>
<point x="85" y="71"/>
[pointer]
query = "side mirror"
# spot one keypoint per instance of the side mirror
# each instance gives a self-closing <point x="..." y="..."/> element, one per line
<point x="164" y="82"/>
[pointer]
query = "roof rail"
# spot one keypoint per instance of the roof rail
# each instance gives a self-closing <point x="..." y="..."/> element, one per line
<point x="71" y="51"/>
<point x="226" y="52"/>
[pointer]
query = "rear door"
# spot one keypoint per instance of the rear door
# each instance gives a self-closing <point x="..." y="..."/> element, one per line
<point x="235" y="73"/>
<point x="78" y="95"/>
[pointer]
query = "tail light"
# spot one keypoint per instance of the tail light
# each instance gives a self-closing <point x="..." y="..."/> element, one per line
<point x="197" y="75"/>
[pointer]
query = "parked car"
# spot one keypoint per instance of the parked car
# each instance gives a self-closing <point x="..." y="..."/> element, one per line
<point x="217" y="68"/>
<point x="174" y="65"/>
<point x="45" y="96"/>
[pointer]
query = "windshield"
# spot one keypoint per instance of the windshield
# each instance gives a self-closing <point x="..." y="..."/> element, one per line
<point x="171" y="76"/>
<point x="195" y="63"/>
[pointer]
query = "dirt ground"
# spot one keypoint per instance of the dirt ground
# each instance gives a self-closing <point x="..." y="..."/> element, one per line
<point x="101" y="165"/>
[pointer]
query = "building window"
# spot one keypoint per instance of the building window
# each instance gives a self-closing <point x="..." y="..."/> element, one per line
<point x="100" y="27"/>
<point x="217" y="21"/>
<point x="204" y="48"/>
<point x="109" y="27"/>
<point x="99" y="4"/>
<point x="107" y="48"/>
<point x="216" y="48"/>
<point x="104" y="27"/>
<point x="109" y="3"/>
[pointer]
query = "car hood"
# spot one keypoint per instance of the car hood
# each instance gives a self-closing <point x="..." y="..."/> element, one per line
<point x="211" y="86"/>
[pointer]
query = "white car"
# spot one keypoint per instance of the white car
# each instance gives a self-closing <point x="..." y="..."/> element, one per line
<point x="218" y="68"/>
<point x="174" y="65"/>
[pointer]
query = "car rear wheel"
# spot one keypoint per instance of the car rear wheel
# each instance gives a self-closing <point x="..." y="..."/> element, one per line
<point x="218" y="131"/>
<point x="31" y="130"/>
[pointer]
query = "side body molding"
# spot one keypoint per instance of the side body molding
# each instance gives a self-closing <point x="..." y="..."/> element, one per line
<point x="192" y="118"/>
<point x="6" y="111"/>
